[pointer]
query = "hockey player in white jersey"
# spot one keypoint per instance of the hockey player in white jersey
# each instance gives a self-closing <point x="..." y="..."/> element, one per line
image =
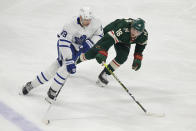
<point x="76" y="37"/>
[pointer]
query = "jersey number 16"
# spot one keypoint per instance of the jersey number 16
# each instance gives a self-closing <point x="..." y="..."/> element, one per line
<point x="119" y="32"/>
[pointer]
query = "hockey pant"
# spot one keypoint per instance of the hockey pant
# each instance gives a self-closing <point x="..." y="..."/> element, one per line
<point x="57" y="72"/>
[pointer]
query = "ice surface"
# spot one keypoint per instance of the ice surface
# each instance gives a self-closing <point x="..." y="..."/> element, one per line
<point x="165" y="83"/>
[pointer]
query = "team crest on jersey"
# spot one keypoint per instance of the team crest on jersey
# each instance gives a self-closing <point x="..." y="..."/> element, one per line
<point x="126" y="29"/>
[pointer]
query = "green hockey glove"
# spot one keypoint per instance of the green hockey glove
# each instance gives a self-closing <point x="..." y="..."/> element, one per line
<point x="101" y="56"/>
<point x="137" y="61"/>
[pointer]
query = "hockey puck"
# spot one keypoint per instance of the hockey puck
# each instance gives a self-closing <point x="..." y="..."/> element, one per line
<point x="46" y="122"/>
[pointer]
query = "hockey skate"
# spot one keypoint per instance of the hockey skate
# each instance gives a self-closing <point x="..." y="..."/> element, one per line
<point x="51" y="98"/>
<point x="102" y="79"/>
<point x="26" y="88"/>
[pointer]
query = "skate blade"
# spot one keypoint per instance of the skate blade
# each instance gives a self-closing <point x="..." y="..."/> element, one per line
<point x="49" y="100"/>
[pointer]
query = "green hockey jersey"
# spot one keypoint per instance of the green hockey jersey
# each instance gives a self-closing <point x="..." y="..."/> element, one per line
<point x="119" y="30"/>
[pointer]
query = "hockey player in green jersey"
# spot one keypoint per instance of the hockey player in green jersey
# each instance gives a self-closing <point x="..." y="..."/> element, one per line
<point x="121" y="33"/>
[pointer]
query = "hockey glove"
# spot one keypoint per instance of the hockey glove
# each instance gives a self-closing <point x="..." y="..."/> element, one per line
<point x="71" y="67"/>
<point x="137" y="61"/>
<point x="87" y="44"/>
<point x="101" y="56"/>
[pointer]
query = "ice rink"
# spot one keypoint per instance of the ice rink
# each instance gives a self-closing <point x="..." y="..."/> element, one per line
<point x="166" y="82"/>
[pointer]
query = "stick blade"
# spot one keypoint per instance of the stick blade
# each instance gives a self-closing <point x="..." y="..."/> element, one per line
<point x="155" y="114"/>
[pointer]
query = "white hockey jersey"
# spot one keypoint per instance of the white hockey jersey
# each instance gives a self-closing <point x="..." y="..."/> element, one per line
<point x="93" y="31"/>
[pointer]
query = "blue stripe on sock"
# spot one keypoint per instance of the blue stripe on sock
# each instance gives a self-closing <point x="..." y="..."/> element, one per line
<point x="60" y="76"/>
<point x="39" y="80"/>
<point x="58" y="82"/>
<point x="43" y="76"/>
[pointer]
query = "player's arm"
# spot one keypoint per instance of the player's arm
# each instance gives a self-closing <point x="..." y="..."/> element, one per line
<point x="90" y="42"/>
<point x="64" y="46"/>
<point x="139" y="48"/>
<point x="111" y="26"/>
<point x="97" y="35"/>
<point x="141" y="42"/>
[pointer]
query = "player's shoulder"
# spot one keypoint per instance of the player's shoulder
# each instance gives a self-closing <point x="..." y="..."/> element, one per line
<point x="125" y="20"/>
<point x="96" y="22"/>
<point x="121" y="23"/>
<point x="145" y="33"/>
<point x="142" y="39"/>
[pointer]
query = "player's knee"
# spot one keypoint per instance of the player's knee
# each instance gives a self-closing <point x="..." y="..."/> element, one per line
<point x="121" y="60"/>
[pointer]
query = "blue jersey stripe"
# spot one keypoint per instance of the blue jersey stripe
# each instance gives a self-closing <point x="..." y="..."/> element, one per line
<point x="65" y="41"/>
<point x="58" y="50"/>
<point x="100" y="36"/>
<point x="78" y="22"/>
<point x="63" y="46"/>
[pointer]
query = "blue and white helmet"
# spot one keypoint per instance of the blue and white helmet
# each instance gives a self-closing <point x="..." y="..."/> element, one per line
<point x="86" y="13"/>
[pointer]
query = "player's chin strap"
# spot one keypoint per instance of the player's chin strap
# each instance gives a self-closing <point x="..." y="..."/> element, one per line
<point x="137" y="102"/>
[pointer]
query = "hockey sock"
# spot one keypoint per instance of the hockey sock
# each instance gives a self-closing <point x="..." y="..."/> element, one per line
<point x="112" y="66"/>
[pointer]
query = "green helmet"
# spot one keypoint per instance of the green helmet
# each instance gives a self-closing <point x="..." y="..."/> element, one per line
<point x="138" y="24"/>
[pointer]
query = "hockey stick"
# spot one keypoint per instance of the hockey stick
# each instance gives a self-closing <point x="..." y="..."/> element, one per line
<point x="45" y="118"/>
<point x="137" y="102"/>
